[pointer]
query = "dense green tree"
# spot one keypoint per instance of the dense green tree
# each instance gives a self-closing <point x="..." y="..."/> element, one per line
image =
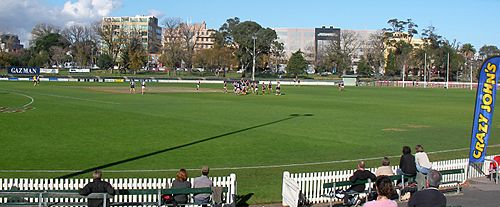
<point x="363" y="68"/>
<point x="133" y="55"/>
<point x="44" y="43"/>
<point x="40" y="59"/>
<point x="104" y="61"/>
<point x="391" y="67"/>
<point x="297" y="64"/>
<point x="488" y="51"/>
<point x="6" y="59"/>
<point x="241" y="36"/>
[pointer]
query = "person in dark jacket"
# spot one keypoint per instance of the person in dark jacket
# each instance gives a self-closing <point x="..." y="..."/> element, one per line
<point x="181" y="182"/>
<point x="360" y="174"/>
<point x="407" y="164"/>
<point x="97" y="186"/>
<point x="431" y="196"/>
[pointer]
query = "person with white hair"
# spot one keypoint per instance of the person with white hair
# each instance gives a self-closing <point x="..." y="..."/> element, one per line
<point x="430" y="196"/>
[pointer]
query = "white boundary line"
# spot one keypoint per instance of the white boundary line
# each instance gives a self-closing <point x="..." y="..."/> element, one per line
<point x="68" y="97"/>
<point x="234" y="168"/>
<point x="32" y="100"/>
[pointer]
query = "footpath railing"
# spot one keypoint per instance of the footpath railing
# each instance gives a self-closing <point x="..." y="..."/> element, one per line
<point x="311" y="184"/>
<point x="24" y="184"/>
<point x="422" y="84"/>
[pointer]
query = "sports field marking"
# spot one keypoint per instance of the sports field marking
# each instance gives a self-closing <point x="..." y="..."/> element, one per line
<point x="416" y="126"/>
<point x="395" y="130"/>
<point x="235" y="168"/>
<point x="18" y="109"/>
<point x="67" y="97"/>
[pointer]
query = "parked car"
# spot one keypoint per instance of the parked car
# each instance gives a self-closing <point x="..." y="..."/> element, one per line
<point x="240" y="71"/>
<point x="326" y="73"/>
<point x="310" y="71"/>
<point x="198" y="69"/>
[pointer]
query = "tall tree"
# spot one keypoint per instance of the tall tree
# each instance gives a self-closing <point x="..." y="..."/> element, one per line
<point x="42" y="29"/>
<point x="241" y="36"/>
<point x="468" y="50"/>
<point x="84" y="43"/>
<point x="188" y="34"/>
<point x="297" y="64"/>
<point x="172" y="49"/>
<point x="224" y="35"/>
<point x="112" y="39"/>
<point x="277" y="54"/>
<point x="133" y="54"/>
<point x="488" y="51"/>
<point x="374" y="52"/>
<point x="342" y="53"/>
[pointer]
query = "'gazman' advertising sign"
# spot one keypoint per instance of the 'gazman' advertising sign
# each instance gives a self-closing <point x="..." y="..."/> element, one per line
<point x="24" y="70"/>
<point x="485" y="105"/>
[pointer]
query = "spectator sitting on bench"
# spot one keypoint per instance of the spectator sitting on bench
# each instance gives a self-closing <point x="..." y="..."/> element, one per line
<point x="407" y="164"/>
<point x="422" y="162"/>
<point x="359" y="174"/>
<point x="385" y="191"/>
<point x="181" y="182"/>
<point x="202" y="182"/>
<point x="97" y="186"/>
<point x="431" y="196"/>
<point x="385" y="169"/>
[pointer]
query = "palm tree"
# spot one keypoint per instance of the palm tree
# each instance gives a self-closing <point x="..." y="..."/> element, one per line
<point x="468" y="50"/>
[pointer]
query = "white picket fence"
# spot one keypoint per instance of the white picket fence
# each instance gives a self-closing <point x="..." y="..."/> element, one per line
<point x="421" y="84"/>
<point x="117" y="183"/>
<point x="311" y="184"/>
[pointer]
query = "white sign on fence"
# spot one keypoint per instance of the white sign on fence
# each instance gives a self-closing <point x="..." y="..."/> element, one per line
<point x="291" y="191"/>
<point x="74" y="70"/>
<point x="50" y="71"/>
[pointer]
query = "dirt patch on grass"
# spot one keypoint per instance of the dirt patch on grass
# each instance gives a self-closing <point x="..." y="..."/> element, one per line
<point x="416" y="126"/>
<point x="394" y="130"/>
<point x="126" y="90"/>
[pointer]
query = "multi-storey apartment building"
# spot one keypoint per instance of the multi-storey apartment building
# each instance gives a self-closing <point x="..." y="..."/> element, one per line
<point x="199" y="36"/>
<point x="145" y="27"/>
<point x="10" y="43"/>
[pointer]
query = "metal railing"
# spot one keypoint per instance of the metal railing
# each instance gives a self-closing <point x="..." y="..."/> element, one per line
<point x="19" y="198"/>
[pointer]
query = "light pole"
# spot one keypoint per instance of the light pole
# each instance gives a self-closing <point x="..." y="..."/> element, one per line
<point x="253" y="66"/>
<point x="404" y="75"/>
<point x="447" y="71"/>
<point x="425" y="70"/>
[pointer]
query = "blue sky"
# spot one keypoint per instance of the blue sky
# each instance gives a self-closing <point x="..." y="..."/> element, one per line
<point x="466" y="21"/>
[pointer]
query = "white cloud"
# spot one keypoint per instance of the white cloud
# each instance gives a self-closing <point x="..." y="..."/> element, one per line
<point x="156" y="13"/>
<point x="19" y="16"/>
<point x="82" y="9"/>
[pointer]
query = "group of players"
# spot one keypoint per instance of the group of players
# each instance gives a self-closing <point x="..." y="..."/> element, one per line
<point x="244" y="87"/>
<point x="36" y="80"/>
<point x="241" y="87"/>
<point x="132" y="86"/>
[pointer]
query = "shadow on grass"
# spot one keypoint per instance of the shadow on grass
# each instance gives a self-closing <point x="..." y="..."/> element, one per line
<point x="291" y="116"/>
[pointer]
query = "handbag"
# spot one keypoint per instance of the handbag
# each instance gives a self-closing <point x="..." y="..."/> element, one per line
<point x="168" y="199"/>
